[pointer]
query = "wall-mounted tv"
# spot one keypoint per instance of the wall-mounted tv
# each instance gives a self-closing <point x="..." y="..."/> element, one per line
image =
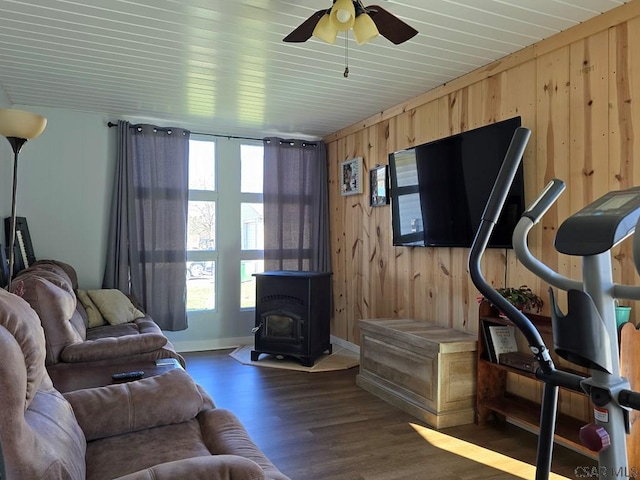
<point x="439" y="189"/>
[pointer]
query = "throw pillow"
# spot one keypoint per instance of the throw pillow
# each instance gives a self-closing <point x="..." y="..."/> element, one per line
<point x="94" y="317"/>
<point x="114" y="306"/>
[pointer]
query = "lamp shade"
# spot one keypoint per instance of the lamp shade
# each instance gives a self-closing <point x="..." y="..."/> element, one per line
<point x="343" y="14"/>
<point x="325" y="30"/>
<point x="364" y="29"/>
<point x="21" y="124"/>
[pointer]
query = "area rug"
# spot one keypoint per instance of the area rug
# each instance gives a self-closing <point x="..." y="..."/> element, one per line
<point x="340" y="359"/>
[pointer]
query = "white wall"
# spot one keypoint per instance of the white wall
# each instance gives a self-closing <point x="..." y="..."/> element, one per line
<point x="64" y="190"/>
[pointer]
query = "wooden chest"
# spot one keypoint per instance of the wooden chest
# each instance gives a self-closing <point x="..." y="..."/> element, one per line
<point x="424" y="369"/>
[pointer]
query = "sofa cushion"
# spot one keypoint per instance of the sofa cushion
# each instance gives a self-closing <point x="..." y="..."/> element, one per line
<point x="112" y="347"/>
<point x="112" y="457"/>
<point x="66" y="274"/>
<point x="51" y="295"/>
<point x="60" y="268"/>
<point x="211" y="467"/>
<point x="19" y="319"/>
<point x="139" y="326"/>
<point x="137" y="405"/>
<point x="94" y="317"/>
<point x="114" y="306"/>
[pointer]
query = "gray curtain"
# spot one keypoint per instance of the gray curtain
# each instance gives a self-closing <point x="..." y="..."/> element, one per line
<point x="296" y="206"/>
<point x="148" y="225"/>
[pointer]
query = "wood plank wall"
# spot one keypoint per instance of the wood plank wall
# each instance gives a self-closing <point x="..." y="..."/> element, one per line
<point x="578" y="91"/>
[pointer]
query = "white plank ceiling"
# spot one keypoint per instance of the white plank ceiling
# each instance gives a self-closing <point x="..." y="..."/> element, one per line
<point x="221" y="66"/>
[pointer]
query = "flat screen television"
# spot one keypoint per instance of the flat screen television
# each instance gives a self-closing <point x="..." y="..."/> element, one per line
<point x="439" y="189"/>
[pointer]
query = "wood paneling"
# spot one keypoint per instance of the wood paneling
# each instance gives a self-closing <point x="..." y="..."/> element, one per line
<point x="575" y="91"/>
<point x="552" y="154"/>
<point x="624" y="117"/>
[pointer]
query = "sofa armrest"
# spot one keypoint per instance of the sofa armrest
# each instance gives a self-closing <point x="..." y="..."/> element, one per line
<point x="112" y="347"/>
<point x="215" y="467"/>
<point x="170" y="398"/>
<point x="146" y="325"/>
<point x="224" y="434"/>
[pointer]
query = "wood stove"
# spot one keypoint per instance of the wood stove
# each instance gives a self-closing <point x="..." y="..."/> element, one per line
<point x="293" y="312"/>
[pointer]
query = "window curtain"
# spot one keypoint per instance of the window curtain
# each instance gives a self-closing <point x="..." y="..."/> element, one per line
<point x="148" y="224"/>
<point x="296" y="206"/>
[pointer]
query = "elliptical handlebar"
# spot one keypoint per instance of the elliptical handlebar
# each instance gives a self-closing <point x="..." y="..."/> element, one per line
<point x="636" y="250"/>
<point x="492" y="211"/>
<point x="529" y="218"/>
<point x="505" y="176"/>
<point x="545" y="199"/>
<point x="490" y="216"/>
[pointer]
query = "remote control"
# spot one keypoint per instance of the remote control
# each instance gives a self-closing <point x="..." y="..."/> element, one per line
<point x="128" y="375"/>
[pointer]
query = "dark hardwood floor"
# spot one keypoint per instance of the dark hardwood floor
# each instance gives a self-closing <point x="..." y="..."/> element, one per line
<point x="321" y="426"/>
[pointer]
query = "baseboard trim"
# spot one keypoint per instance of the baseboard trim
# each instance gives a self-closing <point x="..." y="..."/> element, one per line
<point x="211" y="344"/>
<point x="225" y="343"/>
<point x="352" y="347"/>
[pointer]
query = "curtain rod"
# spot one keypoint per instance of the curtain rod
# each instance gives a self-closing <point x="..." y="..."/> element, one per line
<point x="111" y="124"/>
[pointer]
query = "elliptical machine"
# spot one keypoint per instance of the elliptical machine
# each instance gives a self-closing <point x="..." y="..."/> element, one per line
<point x="587" y="335"/>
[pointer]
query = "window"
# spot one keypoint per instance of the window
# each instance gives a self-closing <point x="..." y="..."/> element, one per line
<point x="226" y="215"/>
<point x="251" y="221"/>
<point x="251" y="160"/>
<point x="201" y="229"/>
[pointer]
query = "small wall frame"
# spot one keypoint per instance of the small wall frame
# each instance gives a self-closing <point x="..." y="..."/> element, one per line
<point x="351" y="176"/>
<point x="379" y="186"/>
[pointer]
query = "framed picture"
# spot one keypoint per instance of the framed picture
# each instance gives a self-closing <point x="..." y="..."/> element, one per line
<point x="379" y="186"/>
<point x="351" y="176"/>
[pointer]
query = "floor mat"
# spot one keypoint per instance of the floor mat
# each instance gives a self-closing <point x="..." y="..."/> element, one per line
<point x="340" y="359"/>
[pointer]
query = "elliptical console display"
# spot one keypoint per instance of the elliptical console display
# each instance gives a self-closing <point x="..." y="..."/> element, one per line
<point x="601" y="225"/>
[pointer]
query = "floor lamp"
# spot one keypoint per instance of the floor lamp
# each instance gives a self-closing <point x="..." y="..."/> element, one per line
<point x="18" y="127"/>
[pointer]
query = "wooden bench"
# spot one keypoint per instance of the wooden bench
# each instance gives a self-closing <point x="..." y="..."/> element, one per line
<point x="426" y="370"/>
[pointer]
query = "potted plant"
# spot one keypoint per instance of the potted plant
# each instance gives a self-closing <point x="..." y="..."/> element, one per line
<point x="522" y="298"/>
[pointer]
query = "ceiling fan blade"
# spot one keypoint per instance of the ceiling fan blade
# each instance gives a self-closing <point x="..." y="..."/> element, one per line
<point x="305" y="30"/>
<point x="390" y="26"/>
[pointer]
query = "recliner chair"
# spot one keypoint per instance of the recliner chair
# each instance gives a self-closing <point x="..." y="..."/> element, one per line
<point x="162" y="427"/>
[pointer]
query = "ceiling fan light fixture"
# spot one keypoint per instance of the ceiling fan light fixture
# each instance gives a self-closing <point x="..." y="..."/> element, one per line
<point x="364" y="29"/>
<point x="367" y="22"/>
<point x="325" y="30"/>
<point x="343" y="14"/>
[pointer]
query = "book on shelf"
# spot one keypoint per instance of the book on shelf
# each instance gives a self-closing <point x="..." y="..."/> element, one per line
<point x="503" y="339"/>
<point x="491" y="355"/>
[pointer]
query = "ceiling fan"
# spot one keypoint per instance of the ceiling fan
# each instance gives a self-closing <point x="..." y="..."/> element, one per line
<point x="366" y="22"/>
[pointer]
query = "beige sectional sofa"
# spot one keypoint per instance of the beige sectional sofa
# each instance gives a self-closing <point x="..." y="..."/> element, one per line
<point x="162" y="427"/>
<point x="51" y="288"/>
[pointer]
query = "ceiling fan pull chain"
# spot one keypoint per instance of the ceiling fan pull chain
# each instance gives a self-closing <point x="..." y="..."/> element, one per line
<point x="346" y="55"/>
